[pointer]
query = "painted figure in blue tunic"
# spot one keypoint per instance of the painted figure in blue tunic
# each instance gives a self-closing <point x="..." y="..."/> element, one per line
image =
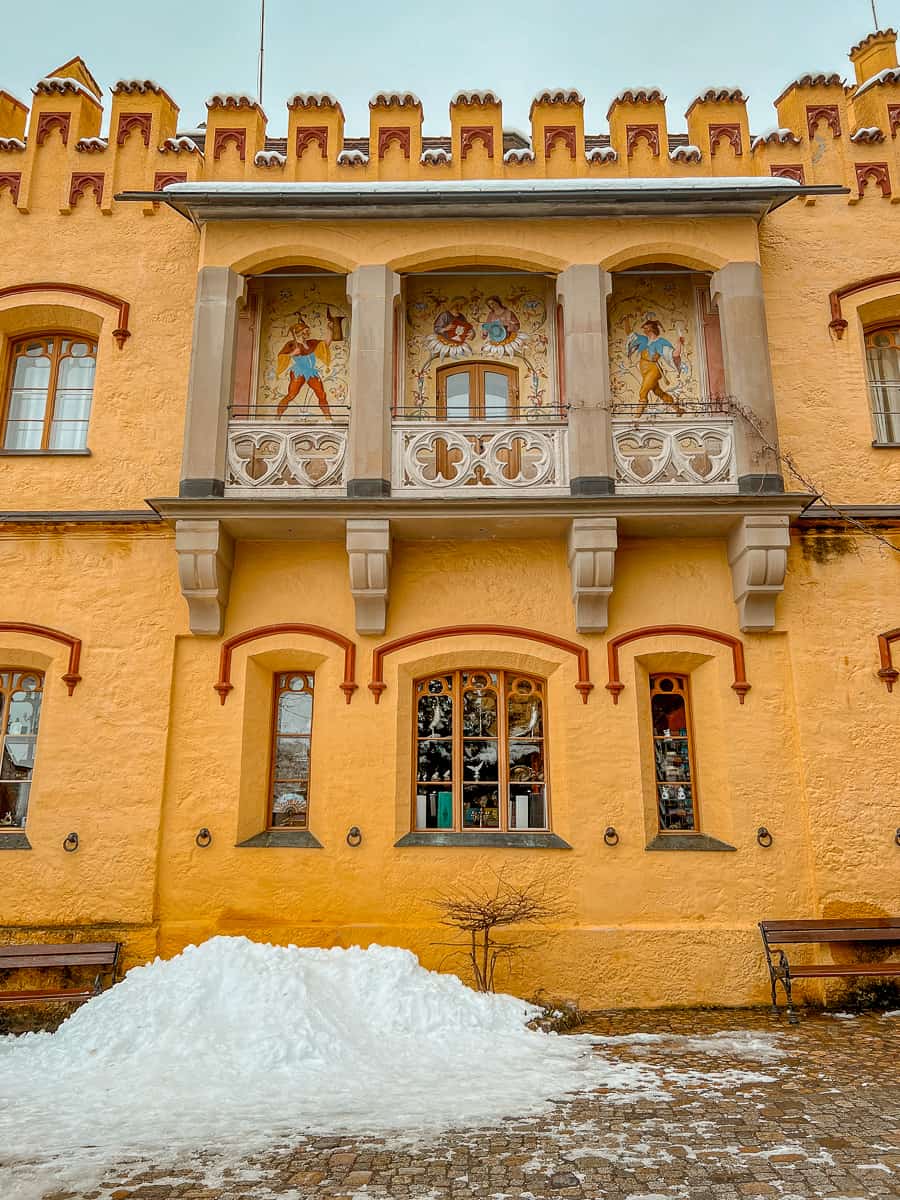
<point x="654" y="350"/>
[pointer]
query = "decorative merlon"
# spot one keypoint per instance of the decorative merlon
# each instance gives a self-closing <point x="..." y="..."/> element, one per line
<point x="757" y="554"/>
<point x="369" y="554"/>
<point x="592" y="563"/>
<point x="205" y="558"/>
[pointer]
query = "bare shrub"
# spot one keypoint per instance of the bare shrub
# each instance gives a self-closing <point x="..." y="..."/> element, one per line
<point x="478" y="911"/>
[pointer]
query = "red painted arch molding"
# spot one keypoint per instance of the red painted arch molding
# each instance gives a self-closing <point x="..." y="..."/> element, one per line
<point x="71" y="678"/>
<point x="121" y="333"/>
<point x="615" y="685"/>
<point x="224" y="685"/>
<point x="888" y="673"/>
<point x="584" y="686"/>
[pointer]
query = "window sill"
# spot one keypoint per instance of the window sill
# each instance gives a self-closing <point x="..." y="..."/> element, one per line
<point x="45" y="453"/>
<point x="14" y="841"/>
<point x="886" y="445"/>
<point x="508" y="841"/>
<point x="282" y="839"/>
<point x="687" y="841"/>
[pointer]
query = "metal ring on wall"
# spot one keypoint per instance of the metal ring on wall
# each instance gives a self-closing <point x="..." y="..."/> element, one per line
<point x="764" y="838"/>
<point x="610" y="836"/>
<point x="70" y="843"/>
<point x="203" y="838"/>
<point x="354" y="835"/>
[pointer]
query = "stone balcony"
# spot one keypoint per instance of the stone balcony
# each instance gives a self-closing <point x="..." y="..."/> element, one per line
<point x="471" y="456"/>
<point x="660" y="453"/>
<point x="270" y="457"/>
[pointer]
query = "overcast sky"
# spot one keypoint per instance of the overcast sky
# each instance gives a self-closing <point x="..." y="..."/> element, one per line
<point x="356" y="47"/>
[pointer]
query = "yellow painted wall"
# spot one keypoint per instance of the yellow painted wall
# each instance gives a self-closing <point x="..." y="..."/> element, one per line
<point x="143" y="754"/>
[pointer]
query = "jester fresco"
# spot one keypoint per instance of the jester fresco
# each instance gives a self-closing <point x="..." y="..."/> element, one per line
<point x="654" y="357"/>
<point x="304" y="350"/>
<point x="477" y="318"/>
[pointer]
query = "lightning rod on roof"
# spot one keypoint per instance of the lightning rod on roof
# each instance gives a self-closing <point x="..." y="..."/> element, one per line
<point x="875" y="16"/>
<point x="262" y="48"/>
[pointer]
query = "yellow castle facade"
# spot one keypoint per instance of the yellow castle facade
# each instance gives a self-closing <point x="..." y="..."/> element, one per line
<point x="383" y="515"/>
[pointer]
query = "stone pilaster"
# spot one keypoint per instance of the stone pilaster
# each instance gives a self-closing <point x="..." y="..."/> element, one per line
<point x="205" y="558"/>
<point x="592" y="563"/>
<point x="582" y="290"/>
<point x="211" y="384"/>
<point x="369" y="554"/>
<point x="757" y="554"/>
<point x="373" y="291"/>
<point x="737" y="289"/>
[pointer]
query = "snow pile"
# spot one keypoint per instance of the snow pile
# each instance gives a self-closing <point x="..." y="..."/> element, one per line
<point x="236" y="1044"/>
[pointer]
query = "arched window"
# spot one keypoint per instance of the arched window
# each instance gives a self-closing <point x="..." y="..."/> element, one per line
<point x="477" y="391"/>
<point x="292" y="736"/>
<point x="883" y="369"/>
<point x="480" y="752"/>
<point x="673" y="753"/>
<point x="20" y="711"/>
<point x="48" y="396"/>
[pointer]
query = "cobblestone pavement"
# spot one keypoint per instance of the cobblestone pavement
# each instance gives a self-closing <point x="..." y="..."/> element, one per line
<point x="823" y="1121"/>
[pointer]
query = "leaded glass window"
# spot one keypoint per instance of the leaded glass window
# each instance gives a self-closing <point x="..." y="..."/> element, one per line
<point x="480" y="760"/>
<point x="48" y="402"/>
<point x="292" y="735"/>
<point x="883" y="365"/>
<point x="20" y="712"/>
<point x="673" y="754"/>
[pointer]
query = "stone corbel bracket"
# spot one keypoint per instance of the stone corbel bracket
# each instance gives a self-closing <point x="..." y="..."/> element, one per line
<point x="369" y="554"/>
<point x="757" y="555"/>
<point x="592" y="562"/>
<point x="205" y="559"/>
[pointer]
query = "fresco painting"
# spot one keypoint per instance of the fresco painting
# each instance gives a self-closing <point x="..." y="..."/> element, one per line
<point x="478" y="317"/>
<point x="304" y="350"/>
<point x="654" y="353"/>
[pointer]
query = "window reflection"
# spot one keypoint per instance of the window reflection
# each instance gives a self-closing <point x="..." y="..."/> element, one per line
<point x="289" y="798"/>
<point x="21" y="693"/>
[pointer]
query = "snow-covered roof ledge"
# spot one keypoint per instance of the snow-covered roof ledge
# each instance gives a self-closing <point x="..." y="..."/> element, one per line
<point x="752" y="196"/>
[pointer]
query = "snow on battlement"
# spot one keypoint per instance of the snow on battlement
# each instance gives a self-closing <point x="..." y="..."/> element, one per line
<point x="776" y="136"/>
<point x="686" y="153"/>
<point x="888" y="75"/>
<point x="435" y="156"/>
<point x="395" y="100"/>
<point x="352" y="158"/>
<point x="60" y="84"/>
<point x="269" y="158"/>
<point x="130" y="87"/>
<point x="475" y="97"/>
<point x="312" y="100"/>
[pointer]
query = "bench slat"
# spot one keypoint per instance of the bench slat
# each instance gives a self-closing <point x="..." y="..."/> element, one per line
<point x="846" y="970"/>
<point x="834" y="935"/>
<point x="56" y="960"/>
<point x="835" y="923"/>
<point x="40" y="948"/>
<point x="28" y="997"/>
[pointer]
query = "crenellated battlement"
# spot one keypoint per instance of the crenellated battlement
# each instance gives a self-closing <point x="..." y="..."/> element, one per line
<point x="826" y="131"/>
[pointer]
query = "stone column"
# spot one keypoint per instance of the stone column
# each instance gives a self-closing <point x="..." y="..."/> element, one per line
<point x="583" y="290"/>
<point x="211" y="384"/>
<point x="737" y="290"/>
<point x="372" y="291"/>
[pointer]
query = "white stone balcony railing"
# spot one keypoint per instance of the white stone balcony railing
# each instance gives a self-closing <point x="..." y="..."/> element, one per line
<point x="467" y="457"/>
<point x="662" y="453"/>
<point x="269" y="457"/>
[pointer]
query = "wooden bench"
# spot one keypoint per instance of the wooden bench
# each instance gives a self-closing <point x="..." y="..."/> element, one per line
<point x="102" y="955"/>
<point x="844" y="929"/>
